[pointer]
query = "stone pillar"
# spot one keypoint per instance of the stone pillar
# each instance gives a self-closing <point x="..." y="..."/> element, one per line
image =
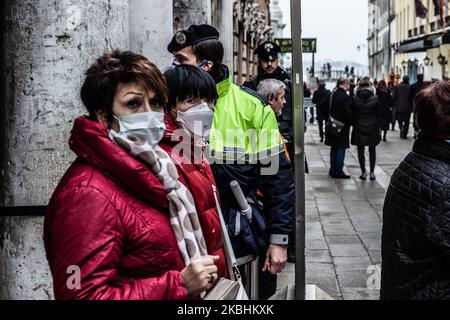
<point x="45" y="56"/>
<point x="187" y="12"/>
<point x="225" y="27"/>
<point x="151" y="29"/>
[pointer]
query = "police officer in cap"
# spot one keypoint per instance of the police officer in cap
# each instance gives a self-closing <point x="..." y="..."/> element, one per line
<point x="268" y="68"/>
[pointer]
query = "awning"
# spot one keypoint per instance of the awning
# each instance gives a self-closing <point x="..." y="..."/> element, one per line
<point x="424" y="43"/>
<point x="416" y="46"/>
<point x="440" y="40"/>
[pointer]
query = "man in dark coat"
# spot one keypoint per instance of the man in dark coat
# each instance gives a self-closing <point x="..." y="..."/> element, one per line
<point x="352" y="87"/>
<point x="415" y="89"/>
<point x="403" y="107"/>
<point x="341" y="111"/>
<point x="320" y="98"/>
<point x="268" y="68"/>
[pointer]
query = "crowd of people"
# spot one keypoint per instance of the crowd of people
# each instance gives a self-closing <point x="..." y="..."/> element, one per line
<point x="416" y="212"/>
<point x="367" y="111"/>
<point x="139" y="211"/>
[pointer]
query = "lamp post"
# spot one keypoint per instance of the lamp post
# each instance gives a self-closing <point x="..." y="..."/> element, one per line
<point x="426" y="61"/>
<point x="299" y="140"/>
<point x="404" y="65"/>
<point x="442" y="61"/>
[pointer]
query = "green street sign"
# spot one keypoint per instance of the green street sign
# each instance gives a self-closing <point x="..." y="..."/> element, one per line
<point x="309" y="45"/>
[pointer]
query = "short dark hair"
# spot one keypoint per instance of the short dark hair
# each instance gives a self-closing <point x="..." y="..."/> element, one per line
<point x="420" y="77"/>
<point x="432" y="110"/>
<point x="211" y="50"/>
<point x="111" y="69"/>
<point x="342" y="81"/>
<point x="406" y="79"/>
<point x="186" y="81"/>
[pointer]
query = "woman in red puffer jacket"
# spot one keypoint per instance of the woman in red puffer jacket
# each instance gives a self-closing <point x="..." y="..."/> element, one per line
<point x="107" y="230"/>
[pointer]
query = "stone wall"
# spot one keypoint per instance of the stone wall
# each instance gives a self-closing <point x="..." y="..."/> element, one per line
<point x="47" y="47"/>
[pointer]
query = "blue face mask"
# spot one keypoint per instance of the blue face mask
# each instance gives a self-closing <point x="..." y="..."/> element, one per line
<point x="147" y="126"/>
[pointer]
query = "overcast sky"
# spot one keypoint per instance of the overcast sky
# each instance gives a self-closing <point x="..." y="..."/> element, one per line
<point x="339" y="26"/>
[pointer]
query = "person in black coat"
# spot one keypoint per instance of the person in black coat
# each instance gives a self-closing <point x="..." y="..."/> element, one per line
<point x="415" y="89"/>
<point x="367" y="115"/>
<point x="340" y="109"/>
<point x="385" y="97"/>
<point x="415" y="244"/>
<point x="320" y="98"/>
<point x="268" y="68"/>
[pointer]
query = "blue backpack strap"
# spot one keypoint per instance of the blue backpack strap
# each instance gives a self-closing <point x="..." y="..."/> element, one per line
<point x="255" y="94"/>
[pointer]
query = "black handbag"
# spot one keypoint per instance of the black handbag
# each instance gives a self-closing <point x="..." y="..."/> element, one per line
<point x="333" y="126"/>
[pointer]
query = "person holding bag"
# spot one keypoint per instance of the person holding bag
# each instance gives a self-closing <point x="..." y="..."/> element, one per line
<point x="338" y="128"/>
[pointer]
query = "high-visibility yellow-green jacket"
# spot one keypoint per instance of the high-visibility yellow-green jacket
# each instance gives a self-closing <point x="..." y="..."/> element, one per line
<point x="244" y="125"/>
<point x="245" y="133"/>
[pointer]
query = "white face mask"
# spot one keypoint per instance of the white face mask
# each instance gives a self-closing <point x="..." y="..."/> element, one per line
<point x="147" y="126"/>
<point x="197" y="120"/>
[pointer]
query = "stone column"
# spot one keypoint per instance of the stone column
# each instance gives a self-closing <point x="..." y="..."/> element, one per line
<point x="48" y="45"/>
<point x="151" y="29"/>
<point x="225" y="27"/>
<point x="187" y="12"/>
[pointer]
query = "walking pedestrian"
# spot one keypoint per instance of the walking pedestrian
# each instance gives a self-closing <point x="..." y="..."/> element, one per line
<point x="391" y="88"/>
<point x="307" y="94"/>
<point x="385" y="98"/>
<point x="367" y="115"/>
<point x="415" y="89"/>
<point x="340" y="109"/>
<point x="321" y="100"/>
<point x="416" y="214"/>
<point x="403" y="106"/>
<point x="351" y="90"/>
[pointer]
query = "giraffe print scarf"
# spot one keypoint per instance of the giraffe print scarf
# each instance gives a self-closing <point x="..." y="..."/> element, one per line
<point x="183" y="213"/>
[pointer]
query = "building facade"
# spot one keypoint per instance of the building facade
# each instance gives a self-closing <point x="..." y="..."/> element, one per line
<point x="251" y="26"/>
<point x="380" y="38"/>
<point x="419" y="38"/>
<point x="423" y="43"/>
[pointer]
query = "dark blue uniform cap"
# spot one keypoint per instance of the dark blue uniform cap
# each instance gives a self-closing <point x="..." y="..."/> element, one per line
<point x="194" y="34"/>
<point x="268" y="50"/>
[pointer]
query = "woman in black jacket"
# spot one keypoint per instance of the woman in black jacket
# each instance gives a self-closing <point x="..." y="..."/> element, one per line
<point x="366" y="125"/>
<point x="385" y="97"/>
<point x="416" y="216"/>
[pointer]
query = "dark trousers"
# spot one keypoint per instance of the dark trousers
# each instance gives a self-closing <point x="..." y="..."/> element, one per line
<point x="362" y="158"/>
<point x="321" y="123"/>
<point x="311" y="111"/>
<point x="337" y="157"/>
<point x="403" y="122"/>
<point x="267" y="281"/>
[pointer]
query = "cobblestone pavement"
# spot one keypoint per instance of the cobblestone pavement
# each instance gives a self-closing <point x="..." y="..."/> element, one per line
<point x="343" y="219"/>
